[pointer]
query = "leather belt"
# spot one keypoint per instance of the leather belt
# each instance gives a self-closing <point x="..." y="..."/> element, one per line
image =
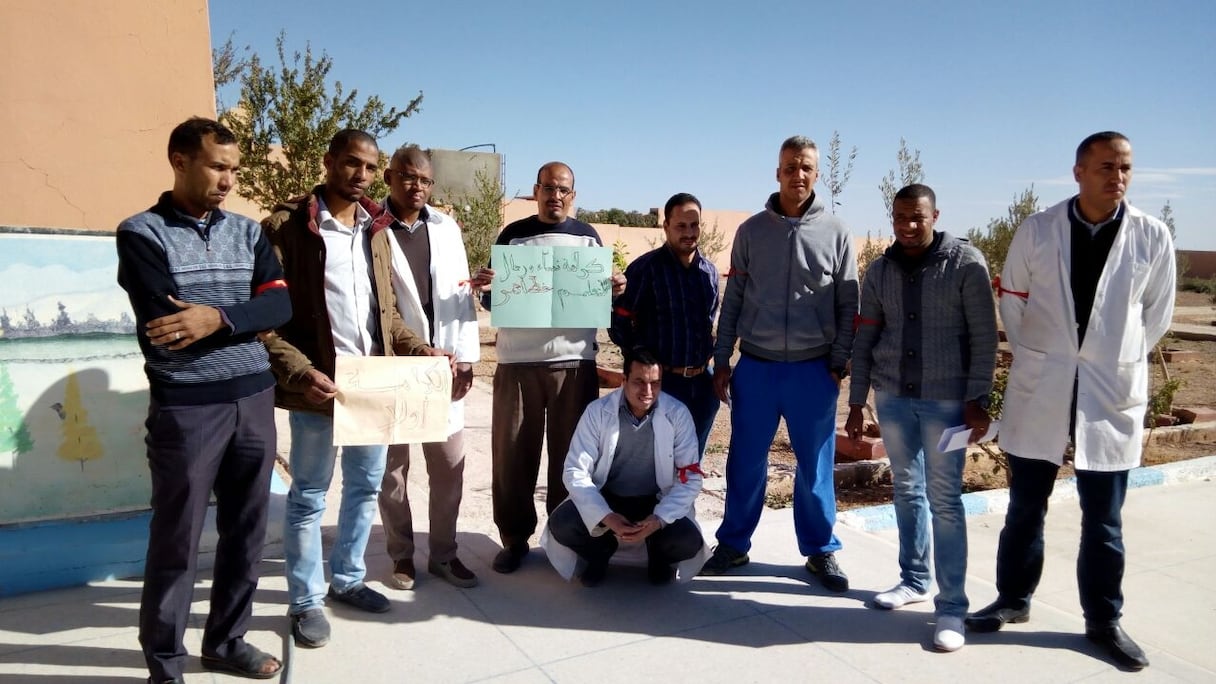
<point x="685" y="371"/>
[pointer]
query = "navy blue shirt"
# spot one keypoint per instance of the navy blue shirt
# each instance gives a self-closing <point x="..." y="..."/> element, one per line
<point x="668" y="308"/>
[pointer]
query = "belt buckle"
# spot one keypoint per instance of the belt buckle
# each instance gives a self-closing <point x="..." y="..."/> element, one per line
<point x="688" y="372"/>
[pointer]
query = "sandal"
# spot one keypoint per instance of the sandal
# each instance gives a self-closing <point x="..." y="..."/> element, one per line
<point x="248" y="661"/>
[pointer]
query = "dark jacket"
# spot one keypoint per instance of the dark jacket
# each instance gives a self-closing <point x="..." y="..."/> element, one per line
<point x="306" y="341"/>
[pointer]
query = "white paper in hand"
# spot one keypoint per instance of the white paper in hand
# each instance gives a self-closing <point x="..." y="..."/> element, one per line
<point x="956" y="437"/>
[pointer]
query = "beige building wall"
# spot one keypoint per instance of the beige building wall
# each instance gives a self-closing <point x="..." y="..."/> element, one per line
<point x="638" y="241"/>
<point x="90" y="92"/>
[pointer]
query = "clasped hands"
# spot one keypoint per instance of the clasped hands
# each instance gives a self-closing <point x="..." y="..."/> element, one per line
<point x="630" y="532"/>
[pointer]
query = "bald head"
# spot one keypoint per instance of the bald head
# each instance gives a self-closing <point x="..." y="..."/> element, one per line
<point x="554" y="192"/>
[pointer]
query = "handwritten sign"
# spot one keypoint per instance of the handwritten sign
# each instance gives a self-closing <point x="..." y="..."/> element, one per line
<point x="391" y="399"/>
<point x="551" y="287"/>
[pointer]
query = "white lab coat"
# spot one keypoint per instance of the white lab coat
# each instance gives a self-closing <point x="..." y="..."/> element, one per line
<point x="455" y="317"/>
<point x="589" y="461"/>
<point x="1132" y="310"/>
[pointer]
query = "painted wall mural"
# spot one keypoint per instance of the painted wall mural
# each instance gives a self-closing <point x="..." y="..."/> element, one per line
<point x="73" y="396"/>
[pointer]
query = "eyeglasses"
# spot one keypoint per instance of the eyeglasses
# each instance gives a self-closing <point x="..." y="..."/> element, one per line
<point x="410" y="179"/>
<point x="559" y="190"/>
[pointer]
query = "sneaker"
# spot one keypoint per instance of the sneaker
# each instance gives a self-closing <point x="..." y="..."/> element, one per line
<point x="824" y="566"/>
<point x="900" y="596"/>
<point x="453" y="572"/>
<point x="948" y="635"/>
<point x="509" y="559"/>
<point x="403" y="575"/>
<point x="362" y="597"/>
<point x="724" y="558"/>
<point x="310" y="628"/>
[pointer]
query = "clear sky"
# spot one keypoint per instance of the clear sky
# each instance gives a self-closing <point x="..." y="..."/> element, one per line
<point x="646" y="98"/>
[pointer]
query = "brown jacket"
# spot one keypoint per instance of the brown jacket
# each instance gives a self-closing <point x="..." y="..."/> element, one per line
<point x="306" y="341"/>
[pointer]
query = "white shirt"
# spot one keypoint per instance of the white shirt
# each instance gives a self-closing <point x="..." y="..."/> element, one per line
<point x="348" y="283"/>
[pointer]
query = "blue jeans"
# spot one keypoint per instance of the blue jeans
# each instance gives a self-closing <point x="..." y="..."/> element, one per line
<point x="762" y="392"/>
<point x="312" y="469"/>
<point x="697" y="393"/>
<point x="927" y="481"/>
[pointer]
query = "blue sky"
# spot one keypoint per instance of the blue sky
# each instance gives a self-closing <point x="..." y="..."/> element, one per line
<point x="644" y="98"/>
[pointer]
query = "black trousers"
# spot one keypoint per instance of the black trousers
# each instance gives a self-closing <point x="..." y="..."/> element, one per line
<point x="192" y="451"/>
<point x="1100" y="563"/>
<point x="678" y="541"/>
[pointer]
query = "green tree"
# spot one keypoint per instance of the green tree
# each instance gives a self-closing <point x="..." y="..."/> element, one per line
<point x="479" y="214"/>
<point x="1181" y="263"/>
<point x="839" y="170"/>
<point x="994" y="241"/>
<point x="618" y="217"/>
<point x="226" y="67"/>
<point x="14" y="433"/>
<point x="285" y="118"/>
<point x="910" y="171"/>
<point x="80" y="442"/>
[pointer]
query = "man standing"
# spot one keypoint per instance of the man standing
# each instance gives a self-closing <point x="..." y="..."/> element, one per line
<point x="430" y="281"/>
<point x="633" y="477"/>
<point x="926" y="343"/>
<point x="203" y="283"/>
<point x="544" y="379"/>
<point x="669" y="307"/>
<point x="1087" y="290"/>
<point x="791" y="297"/>
<point x="334" y="247"/>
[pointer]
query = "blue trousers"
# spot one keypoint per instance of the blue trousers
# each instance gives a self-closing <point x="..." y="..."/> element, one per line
<point x="697" y="393"/>
<point x="1019" y="557"/>
<point x="763" y="392"/>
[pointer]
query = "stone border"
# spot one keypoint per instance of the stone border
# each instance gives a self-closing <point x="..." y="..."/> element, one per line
<point x="874" y="518"/>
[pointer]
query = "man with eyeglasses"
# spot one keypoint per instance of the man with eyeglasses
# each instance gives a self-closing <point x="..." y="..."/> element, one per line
<point x="669" y="308"/>
<point x="430" y="275"/>
<point x="791" y="297"/>
<point x="544" y="379"/>
<point x="334" y="246"/>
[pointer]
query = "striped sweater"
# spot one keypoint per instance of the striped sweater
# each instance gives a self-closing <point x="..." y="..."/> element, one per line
<point x="225" y="262"/>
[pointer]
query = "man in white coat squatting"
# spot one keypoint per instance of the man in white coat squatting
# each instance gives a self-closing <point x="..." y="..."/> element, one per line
<point x="1087" y="290"/>
<point x="633" y="476"/>
<point x="431" y="283"/>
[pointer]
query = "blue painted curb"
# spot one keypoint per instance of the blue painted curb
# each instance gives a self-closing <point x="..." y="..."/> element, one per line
<point x="874" y="518"/>
<point x="66" y="553"/>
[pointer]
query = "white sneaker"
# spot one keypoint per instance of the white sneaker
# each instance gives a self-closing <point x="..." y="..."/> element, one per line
<point x="948" y="636"/>
<point x="899" y="596"/>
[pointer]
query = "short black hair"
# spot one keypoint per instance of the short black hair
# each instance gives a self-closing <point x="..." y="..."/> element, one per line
<point x="411" y="154"/>
<point x="187" y="137"/>
<point x="1090" y="141"/>
<point x="915" y="192"/>
<point x="640" y="355"/>
<point x="343" y="139"/>
<point x="678" y="200"/>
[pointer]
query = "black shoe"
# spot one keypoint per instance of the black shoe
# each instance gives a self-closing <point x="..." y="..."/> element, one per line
<point x="593" y="574"/>
<point x="660" y="572"/>
<point x="996" y="614"/>
<point x="175" y="680"/>
<point x="1120" y="646"/>
<point x="509" y="559"/>
<point x="723" y="559"/>
<point x="824" y="566"/>
<point x="310" y="628"/>
<point x="362" y="597"/>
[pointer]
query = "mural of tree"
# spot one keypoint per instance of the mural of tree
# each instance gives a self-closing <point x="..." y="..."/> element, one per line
<point x="80" y="442"/>
<point x="14" y="435"/>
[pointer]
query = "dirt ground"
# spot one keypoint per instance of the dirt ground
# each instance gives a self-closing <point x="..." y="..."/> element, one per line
<point x="1198" y="389"/>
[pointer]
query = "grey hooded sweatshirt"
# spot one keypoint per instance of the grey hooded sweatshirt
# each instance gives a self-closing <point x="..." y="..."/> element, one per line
<point x="791" y="293"/>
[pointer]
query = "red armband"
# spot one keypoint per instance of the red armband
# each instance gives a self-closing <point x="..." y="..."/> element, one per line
<point x="269" y="286"/>
<point x="685" y="470"/>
